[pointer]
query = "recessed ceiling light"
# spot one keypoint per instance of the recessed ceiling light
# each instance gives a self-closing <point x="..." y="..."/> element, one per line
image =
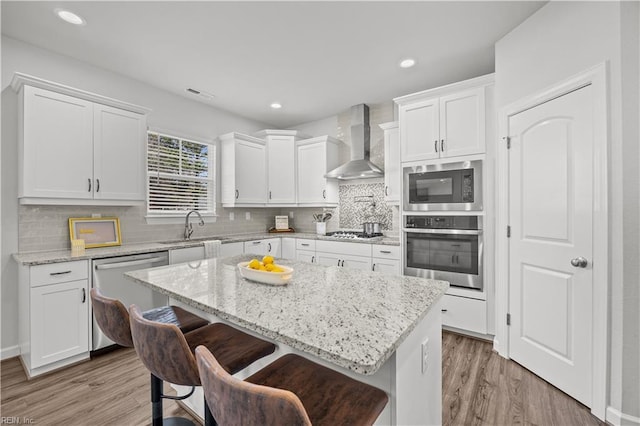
<point x="70" y="17"/>
<point x="276" y="105"/>
<point x="407" y="63"/>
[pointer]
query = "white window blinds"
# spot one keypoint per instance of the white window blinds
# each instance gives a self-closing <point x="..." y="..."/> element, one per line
<point x="180" y="175"/>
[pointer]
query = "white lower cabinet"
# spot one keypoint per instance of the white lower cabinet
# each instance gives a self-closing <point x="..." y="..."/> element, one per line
<point x="231" y="249"/>
<point x="306" y="256"/>
<point x="268" y="246"/>
<point x="386" y="259"/>
<point x="54" y="315"/>
<point x="186" y="254"/>
<point x="345" y="260"/>
<point x="288" y="248"/>
<point x="464" y="313"/>
<point x="343" y="254"/>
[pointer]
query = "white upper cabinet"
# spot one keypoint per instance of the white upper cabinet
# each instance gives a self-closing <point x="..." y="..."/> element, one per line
<point x="118" y="164"/>
<point x="78" y="148"/>
<point x="243" y="168"/>
<point x="392" y="175"/>
<point x="317" y="156"/>
<point x="444" y="122"/>
<point x="420" y="130"/>
<point x="462" y="122"/>
<point x="281" y="166"/>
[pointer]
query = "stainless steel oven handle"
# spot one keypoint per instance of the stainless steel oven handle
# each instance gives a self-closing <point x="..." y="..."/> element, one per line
<point x="444" y="231"/>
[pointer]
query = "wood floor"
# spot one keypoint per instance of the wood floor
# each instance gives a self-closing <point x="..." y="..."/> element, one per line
<point x="479" y="388"/>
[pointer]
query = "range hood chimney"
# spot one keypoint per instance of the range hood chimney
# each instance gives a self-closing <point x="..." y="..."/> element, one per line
<point x="359" y="167"/>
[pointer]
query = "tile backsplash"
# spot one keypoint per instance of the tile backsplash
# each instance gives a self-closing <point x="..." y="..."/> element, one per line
<point x="46" y="227"/>
<point x="361" y="203"/>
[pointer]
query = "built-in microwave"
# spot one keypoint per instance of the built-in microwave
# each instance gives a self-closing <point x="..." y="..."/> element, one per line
<point x="446" y="186"/>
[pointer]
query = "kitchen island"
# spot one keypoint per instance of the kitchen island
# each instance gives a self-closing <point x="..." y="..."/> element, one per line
<point x="380" y="329"/>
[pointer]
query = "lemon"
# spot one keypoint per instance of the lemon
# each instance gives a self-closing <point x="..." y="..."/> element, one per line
<point x="254" y="264"/>
<point x="269" y="267"/>
<point x="276" y="268"/>
<point x="267" y="259"/>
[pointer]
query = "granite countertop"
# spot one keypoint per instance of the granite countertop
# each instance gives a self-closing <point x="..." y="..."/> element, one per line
<point x="44" y="257"/>
<point x="352" y="318"/>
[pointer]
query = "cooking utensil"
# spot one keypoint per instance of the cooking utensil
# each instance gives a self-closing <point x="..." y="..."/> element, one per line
<point x="369" y="228"/>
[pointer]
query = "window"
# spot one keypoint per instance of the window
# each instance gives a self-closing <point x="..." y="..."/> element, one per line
<point x="180" y="174"/>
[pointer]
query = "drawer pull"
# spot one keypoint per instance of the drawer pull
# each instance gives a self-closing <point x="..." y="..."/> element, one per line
<point x="385" y="251"/>
<point x="255" y="243"/>
<point x="443" y="310"/>
<point x="54" y="274"/>
<point x="305" y="244"/>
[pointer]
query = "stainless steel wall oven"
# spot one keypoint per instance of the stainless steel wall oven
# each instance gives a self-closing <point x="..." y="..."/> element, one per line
<point x="445" y="248"/>
<point x="443" y="186"/>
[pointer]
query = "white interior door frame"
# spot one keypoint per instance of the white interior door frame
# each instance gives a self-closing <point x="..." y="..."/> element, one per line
<point x="597" y="78"/>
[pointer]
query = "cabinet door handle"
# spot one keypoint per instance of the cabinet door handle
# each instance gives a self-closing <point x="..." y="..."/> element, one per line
<point x="342" y="263"/>
<point x="442" y="145"/>
<point x="386" y="190"/>
<point x="269" y="245"/>
<point x="313" y="259"/>
<point x="97" y="185"/>
<point x="84" y="295"/>
<point x="89" y="190"/>
<point x="373" y="267"/>
<point x="269" y="194"/>
<point x="237" y="194"/>
<point x="453" y="258"/>
<point x="338" y="262"/>
<point x="435" y="146"/>
<point x="324" y="194"/>
<point x="53" y="274"/>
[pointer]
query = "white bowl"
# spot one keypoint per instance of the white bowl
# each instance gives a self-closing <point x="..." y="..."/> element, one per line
<point x="266" y="277"/>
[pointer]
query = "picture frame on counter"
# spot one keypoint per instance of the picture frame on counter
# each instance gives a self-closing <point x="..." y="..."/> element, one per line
<point x="96" y="232"/>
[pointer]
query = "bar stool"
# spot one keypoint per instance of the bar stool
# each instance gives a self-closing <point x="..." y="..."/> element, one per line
<point x="291" y="390"/>
<point x="168" y="354"/>
<point x="113" y="319"/>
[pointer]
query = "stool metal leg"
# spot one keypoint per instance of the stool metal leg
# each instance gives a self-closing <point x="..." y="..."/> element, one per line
<point x="156" y="401"/>
<point x="208" y="417"/>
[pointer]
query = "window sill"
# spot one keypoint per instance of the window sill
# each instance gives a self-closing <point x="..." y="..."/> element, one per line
<point x="178" y="219"/>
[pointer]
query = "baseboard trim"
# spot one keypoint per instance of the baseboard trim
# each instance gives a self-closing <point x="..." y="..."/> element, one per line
<point x="616" y="418"/>
<point x="10" y="352"/>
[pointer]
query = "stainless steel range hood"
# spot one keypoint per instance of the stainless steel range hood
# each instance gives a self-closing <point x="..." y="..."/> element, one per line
<point x="359" y="167"/>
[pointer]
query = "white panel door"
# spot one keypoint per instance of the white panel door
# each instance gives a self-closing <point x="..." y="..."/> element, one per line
<point x="419" y="134"/>
<point x="551" y="208"/>
<point x="58" y="146"/>
<point x="59" y="322"/>
<point x="281" y="159"/>
<point x="462" y="123"/>
<point x="312" y="166"/>
<point x="250" y="172"/>
<point x="119" y="149"/>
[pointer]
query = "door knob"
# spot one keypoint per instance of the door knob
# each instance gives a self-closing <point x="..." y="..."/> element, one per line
<point x="579" y="262"/>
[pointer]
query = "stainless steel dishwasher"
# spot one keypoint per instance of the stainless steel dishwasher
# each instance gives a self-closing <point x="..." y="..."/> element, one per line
<point x="108" y="277"/>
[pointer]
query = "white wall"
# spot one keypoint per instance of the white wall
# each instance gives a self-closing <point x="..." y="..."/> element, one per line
<point x="558" y="41"/>
<point x="169" y="112"/>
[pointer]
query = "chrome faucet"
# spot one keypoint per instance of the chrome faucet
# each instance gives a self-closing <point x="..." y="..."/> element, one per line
<point x="188" y="227"/>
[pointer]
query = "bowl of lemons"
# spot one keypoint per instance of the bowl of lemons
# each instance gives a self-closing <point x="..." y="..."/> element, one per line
<point x="265" y="271"/>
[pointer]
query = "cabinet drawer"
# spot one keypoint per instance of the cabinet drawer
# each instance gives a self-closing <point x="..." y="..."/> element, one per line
<point x="53" y="273"/>
<point x="338" y="247"/>
<point x="385" y="252"/>
<point x="464" y="313"/>
<point x="305" y="244"/>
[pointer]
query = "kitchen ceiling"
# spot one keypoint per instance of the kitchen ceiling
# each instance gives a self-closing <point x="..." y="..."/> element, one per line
<point x="315" y="58"/>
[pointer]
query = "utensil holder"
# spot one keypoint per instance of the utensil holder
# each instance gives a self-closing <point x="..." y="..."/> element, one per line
<point x="321" y="228"/>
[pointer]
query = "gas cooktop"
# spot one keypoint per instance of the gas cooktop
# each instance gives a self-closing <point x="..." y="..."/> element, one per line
<point x="353" y="235"/>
